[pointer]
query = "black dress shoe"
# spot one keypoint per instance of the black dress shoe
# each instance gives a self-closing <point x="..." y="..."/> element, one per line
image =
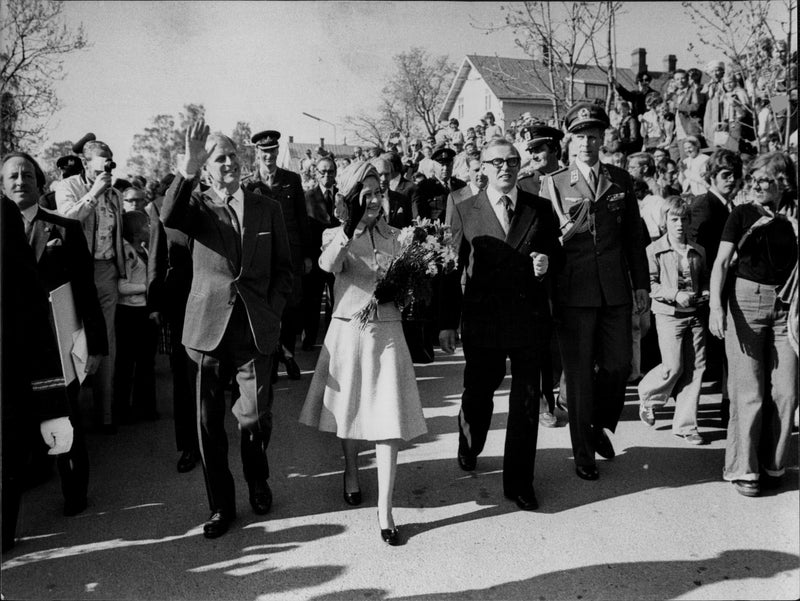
<point x="74" y="506"/>
<point x="260" y="497"/>
<point x="391" y="536"/>
<point x="525" y="501"/>
<point x="602" y="445"/>
<point x="467" y="462"/>
<point x="292" y="369"/>
<point x="587" y="473"/>
<point x="218" y="523"/>
<point x="187" y="461"/>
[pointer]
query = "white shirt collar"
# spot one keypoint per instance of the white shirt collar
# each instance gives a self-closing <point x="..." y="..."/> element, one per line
<point x="238" y="196"/>
<point x="495" y="196"/>
<point x="30" y="213"/>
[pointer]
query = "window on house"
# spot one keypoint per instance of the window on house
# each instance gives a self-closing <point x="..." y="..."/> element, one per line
<point x="488" y="102"/>
<point x="460" y="110"/>
<point x="594" y="90"/>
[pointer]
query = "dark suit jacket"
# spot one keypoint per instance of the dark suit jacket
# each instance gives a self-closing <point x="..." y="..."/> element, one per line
<point x="600" y="268"/>
<point x="256" y="266"/>
<point x="455" y="197"/>
<point x="32" y="382"/>
<point x="709" y="215"/>
<point x="287" y="190"/>
<point x="320" y="218"/>
<point x="406" y="188"/>
<point x="430" y="198"/>
<point x="62" y="256"/>
<point x="169" y="265"/>
<point x="399" y="210"/>
<point x="504" y="304"/>
<point x="530" y="183"/>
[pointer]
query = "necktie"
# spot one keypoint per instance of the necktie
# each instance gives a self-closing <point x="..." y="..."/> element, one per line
<point x="509" y="208"/>
<point x="593" y="181"/>
<point x="232" y="215"/>
<point x="328" y="202"/>
<point x="28" y="229"/>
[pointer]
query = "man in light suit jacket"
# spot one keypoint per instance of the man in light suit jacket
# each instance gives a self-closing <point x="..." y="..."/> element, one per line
<point x="242" y="276"/>
<point x="477" y="182"/>
<point x="89" y="198"/>
<point x="507" y="241"/>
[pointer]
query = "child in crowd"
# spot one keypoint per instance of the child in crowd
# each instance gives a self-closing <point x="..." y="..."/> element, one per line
<point x="652" y="129"/>
<point x="679" y="288"/>
<point x="137" y="333"/>
<point x="693" y="168"/>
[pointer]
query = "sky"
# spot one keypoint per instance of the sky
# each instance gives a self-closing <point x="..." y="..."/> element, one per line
<point x="268" y="62"/>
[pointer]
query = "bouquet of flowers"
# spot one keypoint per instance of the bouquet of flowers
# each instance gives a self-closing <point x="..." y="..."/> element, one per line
<point x="425" y="252"/>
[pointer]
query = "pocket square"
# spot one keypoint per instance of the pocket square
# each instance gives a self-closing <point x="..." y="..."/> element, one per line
<point x="263" y="233"/>
<point x="54" y="242"/>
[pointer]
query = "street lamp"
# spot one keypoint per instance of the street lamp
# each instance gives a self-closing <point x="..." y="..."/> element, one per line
<point x="324" y="121"/>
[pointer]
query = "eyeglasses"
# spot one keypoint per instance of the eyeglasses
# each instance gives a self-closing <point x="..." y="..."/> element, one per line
<point x="726" y="175"/>
<point x="512" y="162"/>
<point x="326" y="171"/>
<point x="762" y="182"/>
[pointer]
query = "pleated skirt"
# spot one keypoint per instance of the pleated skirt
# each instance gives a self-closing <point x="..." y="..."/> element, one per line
<point x="364" y="386"/>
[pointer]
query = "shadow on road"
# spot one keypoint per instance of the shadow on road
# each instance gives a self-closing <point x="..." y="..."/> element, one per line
<point x="634" y="580"/>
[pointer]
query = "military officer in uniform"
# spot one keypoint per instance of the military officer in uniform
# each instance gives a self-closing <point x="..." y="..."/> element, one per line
<point x="286" y="187"/>
<point x="430" y="198"/>
<point x="604" y="245"/>
<point x="544" y="146"/>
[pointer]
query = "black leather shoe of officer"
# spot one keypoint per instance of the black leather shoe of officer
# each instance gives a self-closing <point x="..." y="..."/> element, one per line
<point x="74" y="505"/>
<point x="467" y="462"/>
<point x="260" y="497"/>
<point x="292" y="369"/>
<point x="218" y="523"/>
<point x="525" y="501"/>
<point x="587" y="472"/>
<point x="187" y="461"/>
<point x="602" y="445"/>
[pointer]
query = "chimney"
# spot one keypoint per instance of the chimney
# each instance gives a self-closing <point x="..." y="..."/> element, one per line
<point x="291" y="139"/>
<point x="322" y="142"/>
<point x="670" y="63"/>
<point x="639" y="60"/>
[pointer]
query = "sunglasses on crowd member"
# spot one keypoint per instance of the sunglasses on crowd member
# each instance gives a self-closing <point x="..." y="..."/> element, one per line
<point x="512" y="162"/>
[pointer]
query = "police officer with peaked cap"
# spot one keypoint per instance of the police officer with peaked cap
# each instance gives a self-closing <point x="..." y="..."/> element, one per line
<point x="285" y="187"/>
<point x="544" y="146"/>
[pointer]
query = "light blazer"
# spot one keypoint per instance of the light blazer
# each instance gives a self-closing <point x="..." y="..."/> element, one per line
<point x="504" y="304"/>
<point x="600" y="268"/>
<point x="256" y="266"/>
<point x="62" y="256"/>
<point x="355" y="263"/>
<point x="73" y="201"/>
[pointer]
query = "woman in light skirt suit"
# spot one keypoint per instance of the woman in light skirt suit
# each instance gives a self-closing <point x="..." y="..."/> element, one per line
<point x="364" y="387"/>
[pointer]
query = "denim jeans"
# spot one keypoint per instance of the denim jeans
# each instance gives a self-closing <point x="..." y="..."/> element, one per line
<point x="762" y="382"/>
<point x="681" y="339"/>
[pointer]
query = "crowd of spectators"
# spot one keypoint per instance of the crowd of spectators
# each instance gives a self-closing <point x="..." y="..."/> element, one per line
<point x="717" y="194"/>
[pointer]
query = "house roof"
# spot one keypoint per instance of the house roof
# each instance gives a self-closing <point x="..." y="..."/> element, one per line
<point x="523" y="79"/>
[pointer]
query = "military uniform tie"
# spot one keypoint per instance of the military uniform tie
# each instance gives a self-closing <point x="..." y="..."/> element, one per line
<point x="593" y="181"/>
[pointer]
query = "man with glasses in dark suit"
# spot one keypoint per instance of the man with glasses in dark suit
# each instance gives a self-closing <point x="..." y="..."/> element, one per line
<point x="507" y="241"/>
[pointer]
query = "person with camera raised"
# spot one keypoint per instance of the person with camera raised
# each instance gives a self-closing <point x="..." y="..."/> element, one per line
<point x="89" y="198"/>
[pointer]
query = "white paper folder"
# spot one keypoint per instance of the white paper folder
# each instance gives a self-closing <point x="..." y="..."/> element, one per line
<point x="69" y="334"/>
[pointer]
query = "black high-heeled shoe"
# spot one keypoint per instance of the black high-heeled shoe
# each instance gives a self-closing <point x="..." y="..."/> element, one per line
<point x="351" y="498"/>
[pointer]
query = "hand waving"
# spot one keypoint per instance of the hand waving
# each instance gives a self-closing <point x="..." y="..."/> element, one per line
<point x="196" y="153"/>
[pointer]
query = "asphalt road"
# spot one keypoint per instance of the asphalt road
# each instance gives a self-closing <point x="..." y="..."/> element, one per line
<point x="659" y="524"/>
